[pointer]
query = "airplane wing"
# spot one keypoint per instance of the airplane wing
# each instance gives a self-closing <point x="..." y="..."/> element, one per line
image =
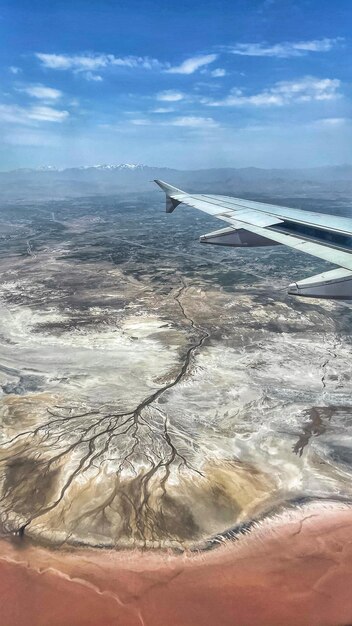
<point x="252" y="223"/>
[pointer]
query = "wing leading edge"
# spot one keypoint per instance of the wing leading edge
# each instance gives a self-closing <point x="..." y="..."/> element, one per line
<point x="252" y="223"/>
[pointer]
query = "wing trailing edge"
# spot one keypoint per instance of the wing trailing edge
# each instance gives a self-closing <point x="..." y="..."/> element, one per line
<point x="236" y="238"/>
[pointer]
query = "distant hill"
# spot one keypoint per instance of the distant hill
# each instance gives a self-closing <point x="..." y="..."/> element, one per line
<point x="52" y="183"/>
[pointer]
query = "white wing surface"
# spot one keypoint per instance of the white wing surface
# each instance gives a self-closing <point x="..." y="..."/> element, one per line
<point x="252" y="223"/>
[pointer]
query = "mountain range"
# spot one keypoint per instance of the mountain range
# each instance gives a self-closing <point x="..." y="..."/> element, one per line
<point x="49" y="182"/>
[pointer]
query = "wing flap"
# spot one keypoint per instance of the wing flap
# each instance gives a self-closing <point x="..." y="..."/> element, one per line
<point x="334" y="284"/>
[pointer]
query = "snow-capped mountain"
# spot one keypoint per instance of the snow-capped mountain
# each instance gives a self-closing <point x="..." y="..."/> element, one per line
<point x="99" y="166"/>
<point x="120" y="166"/>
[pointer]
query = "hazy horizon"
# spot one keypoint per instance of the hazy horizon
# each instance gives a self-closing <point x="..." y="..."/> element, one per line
<point x="48" y="167"/>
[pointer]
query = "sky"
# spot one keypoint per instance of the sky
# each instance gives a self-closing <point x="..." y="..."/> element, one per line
<point x="186" y="84"/>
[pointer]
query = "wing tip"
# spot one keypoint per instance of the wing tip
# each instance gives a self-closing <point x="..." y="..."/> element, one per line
<point x="171" y="201"/>
<point x="169" y="189"/>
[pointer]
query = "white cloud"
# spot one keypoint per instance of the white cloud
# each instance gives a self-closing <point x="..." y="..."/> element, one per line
<point x="317" y="45"/>
<point x="140" y="122"/>
<point x="162" y="110"/>
<point x="66" y="62"/>
<point x="187" y="121"/>
<point x="14" y="70"/>
<point x="86" y="64"/>
<point x="21" y="115"/>
<point x="285" y="49"/>
<point x="93" y="77"/>
<point x="47" y="114"/>
<point x="189" y="66"/>
<point x="194" y="122"/>
<point x="218" y="73"/>
<point x="170" y="95"/>
<point x="145" y="63"/>
<point x="41" y="92"/>
<point x="306" y="89"/>
<point x="331" y="122"/>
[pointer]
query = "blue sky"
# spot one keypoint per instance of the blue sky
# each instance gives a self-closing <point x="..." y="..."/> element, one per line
<point x="180" y="84"/>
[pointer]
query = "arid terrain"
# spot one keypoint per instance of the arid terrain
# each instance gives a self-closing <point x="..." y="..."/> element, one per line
<point x="162" y="401"/>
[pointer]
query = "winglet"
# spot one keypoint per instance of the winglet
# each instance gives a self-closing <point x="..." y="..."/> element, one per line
<point x="172" y="194"/>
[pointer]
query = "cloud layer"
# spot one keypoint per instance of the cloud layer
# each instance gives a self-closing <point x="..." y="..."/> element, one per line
<point x="284" y="50"/>
<point x="27" y="115"/>
<point x="306" y="89"/>
<point x="87" y="64"/>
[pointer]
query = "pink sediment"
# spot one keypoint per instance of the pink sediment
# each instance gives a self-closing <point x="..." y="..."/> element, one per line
<point x="293" y="570"/>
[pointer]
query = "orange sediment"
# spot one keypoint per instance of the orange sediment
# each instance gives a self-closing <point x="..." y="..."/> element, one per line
<point x="292" y="570"/>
